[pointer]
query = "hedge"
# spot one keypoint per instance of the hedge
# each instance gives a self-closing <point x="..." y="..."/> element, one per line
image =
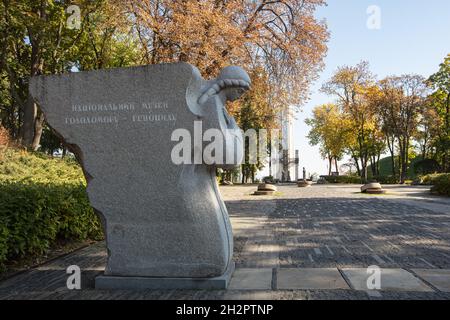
<point x="342" y="179"/>
<point x="3" y="240"/>
<point x="357" y="179"/>
<point x="42" y="201"/>
<point x="440" y="183"/>
<point x="386" y="179"/>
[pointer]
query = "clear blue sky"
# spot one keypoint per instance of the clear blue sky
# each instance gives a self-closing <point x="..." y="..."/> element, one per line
<point x="414" y="38"/>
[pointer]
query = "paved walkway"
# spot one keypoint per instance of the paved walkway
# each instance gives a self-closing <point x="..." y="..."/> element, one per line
<point x="302" y="243"/>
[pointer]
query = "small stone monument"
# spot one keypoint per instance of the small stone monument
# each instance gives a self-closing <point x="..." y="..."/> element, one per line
<point x="304" y="183"/>
<point x="265" y="189"/>
<point x="372" y="188"/>
<point x="165" y="223"/>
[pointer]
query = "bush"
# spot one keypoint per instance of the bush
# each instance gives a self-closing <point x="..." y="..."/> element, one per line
<point x="268" y="179"/>
<point x="440" y="183"/>
<point x="357" y="179"/>
<point x="428" y="180"/>
<point x="342" y="179"/>
<point x="386" y="179"/>
<point x="426" y="166"/>
<point x="42" y="201"/>
<point x="4" y="139"/>
<point x="3" y="240"/>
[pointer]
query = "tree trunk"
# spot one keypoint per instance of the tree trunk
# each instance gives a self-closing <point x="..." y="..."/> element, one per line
<point x="400" y="161"/>
<point x="29" y="116"/>
<point x="403" y="161"/>
<point x="373" y="165"/>
<point x="378" y="163"/>
<point x="336" y="164"/>
<point x="38" y="127"/>
<point x="447" y="115"/>
<point x="445" y="162"/>
<point x="391" y="151"/>
<point x="406" y="160"/>
<point x="330" y="159"/>
<point x="364" y="168"/>
<point x="32" y="120"/>
<point x="358" y="169"/>
<point x="394" y="173"/>
<point x="270" y="164"/>
<point x="364" y="173"/>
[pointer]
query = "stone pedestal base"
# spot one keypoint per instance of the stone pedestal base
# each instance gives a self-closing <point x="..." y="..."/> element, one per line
<point x="375" y="191"/>
<point x="265" y="189"/>
<point x="263" y="193"/>
<point x="304" y="183"/>
<point x="372" y="188"/>
<point x="142" y="283"/>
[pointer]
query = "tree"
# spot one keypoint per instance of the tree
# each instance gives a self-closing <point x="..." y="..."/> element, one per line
<point x="377" y="136"/>
<point x="440" y="82"/>
<point x="350" y="85"/>
<point x="376" y="149"/>
<point x="254" y="111"/>
<point x="35" y="40"/>
<point x="281" y="40"/>
<point x="382" y="101"/>
<point x="428" y="126"/>
<point x="13" y="70"/>
<point x="282" y="36"/>
<point x="403" y="98"/>
<point x="329" y="129"/>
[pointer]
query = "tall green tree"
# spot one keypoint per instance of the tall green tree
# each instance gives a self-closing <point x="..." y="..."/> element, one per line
<point x="330" y="129"/>
<point x="440" y="82"/>
<point x="402" y="100"/>
<point x="37" y="39"/>
<point x="351" y="86"/>
<point x="254" y="111"/>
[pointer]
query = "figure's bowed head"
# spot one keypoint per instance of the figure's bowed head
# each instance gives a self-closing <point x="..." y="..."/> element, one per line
<point x="233" y="81"/>
<point x="226" y="147"/>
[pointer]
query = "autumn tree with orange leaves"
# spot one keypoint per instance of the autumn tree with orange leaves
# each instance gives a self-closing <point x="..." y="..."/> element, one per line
<point x="283" y="37"/>
<point x="279" y="43"/>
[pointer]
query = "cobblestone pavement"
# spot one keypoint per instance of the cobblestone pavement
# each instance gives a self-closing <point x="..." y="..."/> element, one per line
<point x="282" y="238"/>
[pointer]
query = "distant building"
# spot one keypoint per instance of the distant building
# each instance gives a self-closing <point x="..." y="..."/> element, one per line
<point x="285" y="168"/>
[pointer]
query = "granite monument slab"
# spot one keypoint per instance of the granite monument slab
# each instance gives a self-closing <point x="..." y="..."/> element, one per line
<point x="141" y="135"/>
